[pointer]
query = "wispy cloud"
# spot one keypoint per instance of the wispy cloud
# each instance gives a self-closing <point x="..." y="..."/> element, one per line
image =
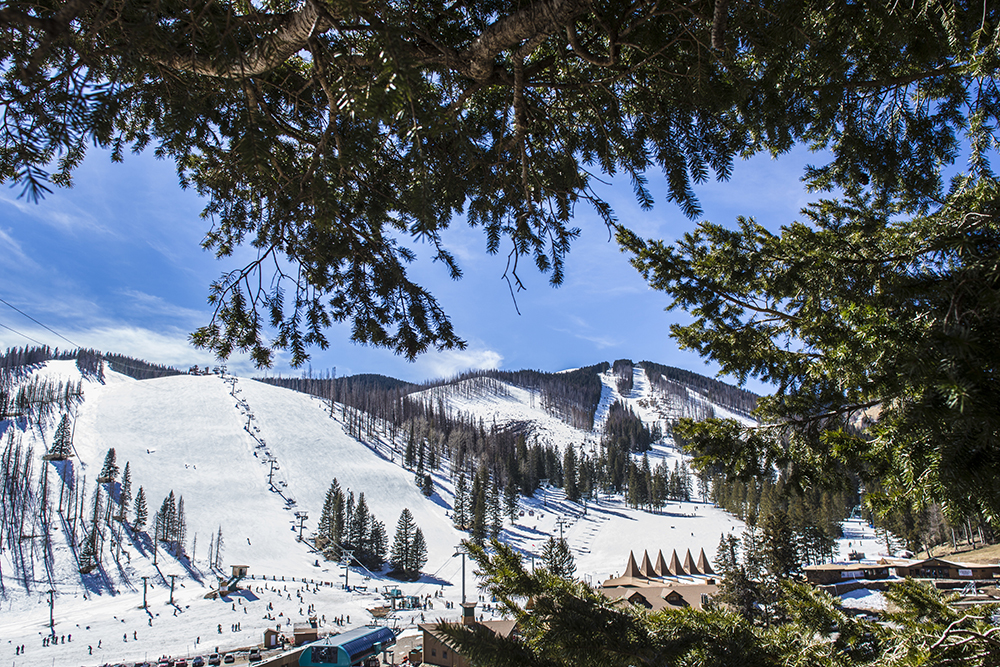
<point x="150" y="304"/>
<point x="452" y="362"/>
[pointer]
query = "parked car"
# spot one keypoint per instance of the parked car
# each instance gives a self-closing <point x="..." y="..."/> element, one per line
<point x="254" y="654"/>
<point x="198" y="661"/>
<point x="181" y="662"/>
<point x="229" y="659"/>
<point x="214" y="660"/>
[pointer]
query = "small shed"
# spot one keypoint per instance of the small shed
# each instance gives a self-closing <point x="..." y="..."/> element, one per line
<point x="304" y="633"/>
<point x="240" y="571"/>
<point x="272" y="638"/>
<point x="351" y="648"/>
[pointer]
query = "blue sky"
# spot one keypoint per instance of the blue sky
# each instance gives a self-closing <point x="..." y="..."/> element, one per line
<point x="115" y="263"/>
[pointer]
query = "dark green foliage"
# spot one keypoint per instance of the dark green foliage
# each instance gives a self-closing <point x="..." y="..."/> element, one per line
<point x="460" y="511"/>
<point x="109" y="471"/>
<point x="854" y="316"/>
<point x="62" y="444"/>
<point x="625" y="431"/>
<point x="622" y="369"/>
<point x="348" y="525"/>
<point x="558" y="559"/>
<point x="570" y="624"/>
<point x="570" y="485"/>
<point x="141" y="511"/>
<point x="409" y="550"/>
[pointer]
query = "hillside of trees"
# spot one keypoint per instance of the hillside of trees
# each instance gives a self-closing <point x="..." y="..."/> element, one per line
<point x="670" y="380"/>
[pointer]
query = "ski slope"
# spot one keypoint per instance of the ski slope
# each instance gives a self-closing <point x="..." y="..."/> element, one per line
<point x="249" y="458"/>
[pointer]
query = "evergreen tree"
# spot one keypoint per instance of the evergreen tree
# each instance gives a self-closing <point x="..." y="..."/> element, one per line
<point x="427" y="488"/>
<point x="165" y="521"/>
<point x="331" y="522"/>
<point x="779" y="545"/>
<point x="402" y="544"/>
<point x="495" y="512"/>
<point x="125" y="497"/>
<point x="141" y="512"/>
<point x="558" y="559"/>
<point x="110" y="469"/>
<point x="377" y="545"/>
<point x="180" y="527"/>
<point x="479" y="507"/>
<point x="418" y="551"/>
<point x="61" y="445"/>
<point x="569" y="475"/>
<point x="510" y="496"/>
<point x="219" y="550"/>
<point x="411" y="450"/>
<point x="460" y="510"/>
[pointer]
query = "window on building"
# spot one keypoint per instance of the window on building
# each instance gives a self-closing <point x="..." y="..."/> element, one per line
<point x="444" y="654"/>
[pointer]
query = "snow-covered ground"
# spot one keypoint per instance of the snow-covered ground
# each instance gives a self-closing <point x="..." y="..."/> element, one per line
<point x="212" y="440"/>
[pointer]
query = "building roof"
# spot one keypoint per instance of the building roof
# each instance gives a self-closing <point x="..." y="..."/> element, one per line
<point x="503" y="628"/>
<point x="689" y="565"/>
<point x="675" y="565"/>
<point x="647" y="567"/>
<point x="661" y="565"/>
<point x="703" y="564"/>
<point x="631" y="569"/>
<point x="845" y="567"/>
<point x="657" y="597"/>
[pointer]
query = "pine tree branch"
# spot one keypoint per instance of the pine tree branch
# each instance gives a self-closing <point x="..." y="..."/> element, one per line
<point x="290" y="35"/>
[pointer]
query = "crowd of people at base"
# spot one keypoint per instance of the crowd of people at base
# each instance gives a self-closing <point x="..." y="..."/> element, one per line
<point x="48" y="640"/>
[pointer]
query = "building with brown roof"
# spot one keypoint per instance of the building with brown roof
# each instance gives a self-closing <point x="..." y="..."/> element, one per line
<point x="663" y="586"/>
<point x="438" y="651"/>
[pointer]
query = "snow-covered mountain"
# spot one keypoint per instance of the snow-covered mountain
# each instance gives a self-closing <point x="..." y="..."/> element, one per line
<point x="255" y="461"/>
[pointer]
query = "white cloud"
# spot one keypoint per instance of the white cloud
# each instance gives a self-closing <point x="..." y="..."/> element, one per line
<point x="452" y="362"/>
<point x="154" y="305"/>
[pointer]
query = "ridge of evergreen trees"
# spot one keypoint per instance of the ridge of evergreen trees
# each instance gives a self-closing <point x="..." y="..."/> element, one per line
<point x="138" y="369"/>
<point x="674" y="380"/>
<point x="622" y="370"/>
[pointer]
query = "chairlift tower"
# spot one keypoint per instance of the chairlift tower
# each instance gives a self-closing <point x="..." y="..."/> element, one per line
<point x="273" y="462"/>
<point x="345" y="562"/>
<point x="301" y="516"/>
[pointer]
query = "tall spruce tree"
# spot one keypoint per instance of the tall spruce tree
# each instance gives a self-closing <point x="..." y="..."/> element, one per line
<point x="402" y="544"/>
<point x="109" y="471"/>
<point x="125" y="496"/>
<point x="141" y="511"/>
<point x="460" y="510"/>
<point x="558" y="559"/>
<point x="61" y="445"/>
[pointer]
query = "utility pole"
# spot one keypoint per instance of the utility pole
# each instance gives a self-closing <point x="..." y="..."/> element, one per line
<point x="560" y="522"/>
<point x="461" y="551"/>
<point x="172" y="577"/>
<point x="145" y="580"/>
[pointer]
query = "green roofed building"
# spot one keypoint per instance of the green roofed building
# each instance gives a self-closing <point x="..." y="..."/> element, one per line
<point x="350" y="648"/>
